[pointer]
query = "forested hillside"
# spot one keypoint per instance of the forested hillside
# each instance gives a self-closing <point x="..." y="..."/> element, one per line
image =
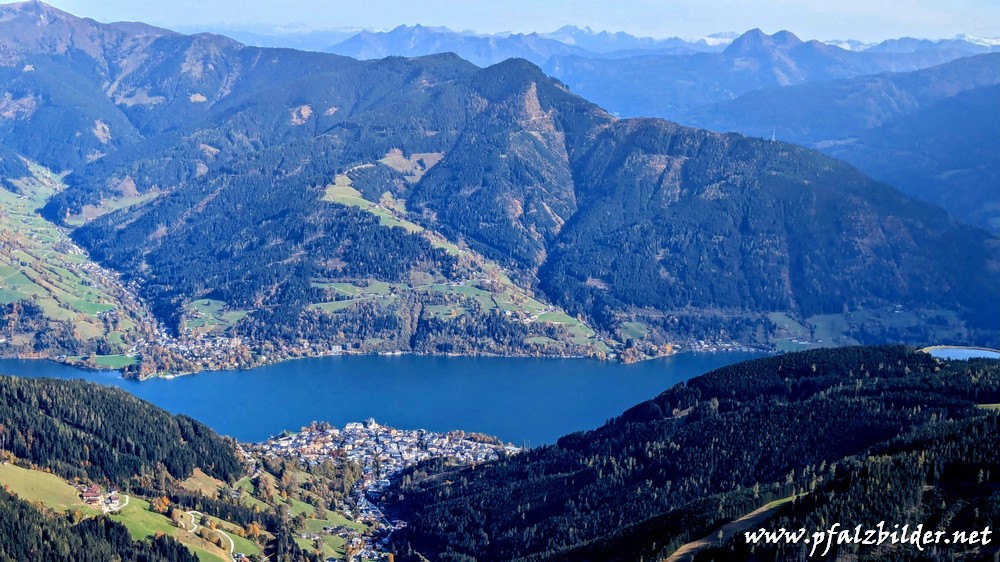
<point x="28" y="534"/>
<point x="167" y="473"/>
<point x="930" y="132"/>
<point x="80" y="429"/>
<point x="855" y="435"/>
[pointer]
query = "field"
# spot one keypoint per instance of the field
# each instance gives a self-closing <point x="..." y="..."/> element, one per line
<point x="413" y="167"/>
<point x="341" y="192"/>
<point x="142" y="523"/>
<point x="333" y="545"/>
<point x="39" y="261"/>
<point x="633" y="330"/>
<point x="824" y="330"/>
<point x="52" y="492"/>
<point x="202" y="483"/>
<point x="91" y="212"/>
<point x="790" y="334"/>
<point x="247" y="486"/>
<point x="207" y="315"/>
<point x="111" y="362"/>
<point x="49" y="489"/>
<point x="240" y="544"/>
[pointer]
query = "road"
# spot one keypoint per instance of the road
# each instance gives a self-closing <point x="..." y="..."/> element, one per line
<point x="194" y="529"/>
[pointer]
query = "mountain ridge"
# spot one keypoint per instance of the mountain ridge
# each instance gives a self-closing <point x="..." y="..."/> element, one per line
<point x="428" y="205"/>
<point x="838" y="118"/>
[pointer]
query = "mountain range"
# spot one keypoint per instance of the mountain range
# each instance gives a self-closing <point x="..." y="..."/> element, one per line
<point x="669" y="86"/>
<point x="313" y="201"/>
<point x="605" y="66"/>
<point x="414" y="40"/>
<point x="932" y="132"/>
<point x="761" y="84"/>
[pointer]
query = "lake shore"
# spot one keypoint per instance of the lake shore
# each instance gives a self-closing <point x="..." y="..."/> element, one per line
<point x="518" y="399"/>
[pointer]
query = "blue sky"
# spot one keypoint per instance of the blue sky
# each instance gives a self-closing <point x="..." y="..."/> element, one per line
<point x="867" y="20"/>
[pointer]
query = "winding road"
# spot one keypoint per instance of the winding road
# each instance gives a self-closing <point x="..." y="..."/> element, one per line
<point x="194" y="529"/>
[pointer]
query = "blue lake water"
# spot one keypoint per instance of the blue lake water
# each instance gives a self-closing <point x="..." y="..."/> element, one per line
<point x="520" y="400"/>
<point x="963" y="353"/>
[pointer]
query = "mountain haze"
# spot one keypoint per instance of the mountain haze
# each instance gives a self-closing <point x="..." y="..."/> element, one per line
<point x="931" y="132"/>
<point x="669" y="86"/>
<point x="419" y="40"/>
<point x="944" y="153"/>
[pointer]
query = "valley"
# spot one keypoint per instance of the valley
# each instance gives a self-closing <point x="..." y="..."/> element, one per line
<point x="74" y="305"/>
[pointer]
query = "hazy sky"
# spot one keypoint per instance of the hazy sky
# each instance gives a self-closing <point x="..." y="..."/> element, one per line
<point x="867" y="20"/>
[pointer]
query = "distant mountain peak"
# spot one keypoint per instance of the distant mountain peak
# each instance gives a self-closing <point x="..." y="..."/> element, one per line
<point x="984" y="41"/>
<point x="34" y="8"/>
<point x="786" y="38"/>
<point x="754" y="40"/>
<point x="575" y="30"/>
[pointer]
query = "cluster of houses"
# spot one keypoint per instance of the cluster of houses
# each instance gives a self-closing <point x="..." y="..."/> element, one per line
<point x="94" y="497"/>
<point x="382" y="452"/>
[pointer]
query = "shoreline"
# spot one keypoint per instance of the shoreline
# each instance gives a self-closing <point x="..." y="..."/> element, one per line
<point x="931" y="348"/>
<point x="170" y="376"/>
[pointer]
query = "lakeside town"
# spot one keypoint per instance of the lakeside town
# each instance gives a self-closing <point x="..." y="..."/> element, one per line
<point x="382" y="452"/>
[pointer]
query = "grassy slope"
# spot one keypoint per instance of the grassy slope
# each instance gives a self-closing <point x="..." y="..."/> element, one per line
<point x="203" y="484"/>
<point x="143" y="523"/>
<point x="49" y="489"/>
<point x="507" y="296"/>
<point x="54" y="493"/>
<point x="60" y="279"/>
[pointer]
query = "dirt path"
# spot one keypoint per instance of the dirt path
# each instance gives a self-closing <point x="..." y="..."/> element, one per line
<point x="194" y="529"/>
<point x="686" y="552"/>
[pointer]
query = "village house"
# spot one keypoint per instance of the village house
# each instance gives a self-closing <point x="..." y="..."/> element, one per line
<point x="91" y="494"/>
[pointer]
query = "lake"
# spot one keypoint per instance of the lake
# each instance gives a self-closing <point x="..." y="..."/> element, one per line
<point x="946" y="352"/>
<point x="520" y="400"/>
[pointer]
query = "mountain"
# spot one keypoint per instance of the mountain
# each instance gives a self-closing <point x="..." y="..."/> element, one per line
<point x="635" y="76"/>
<point x="849" y="44"/>
<point x="288" y="37"/>
<point x="113" y="49"/>
<point x="419" y="40"/>
<point x="801" y="440"/>
<point x="296" y="203"/>
<point x="670" y="86"/>
<point x="833" y="110"/>
<point x="931" y="132"/>
<point x="608" y="43"/>
<point x="943" y="153"/>
<point x="965" y="43"/>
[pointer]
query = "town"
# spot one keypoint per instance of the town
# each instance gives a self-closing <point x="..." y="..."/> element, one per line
<point x="382" y="452"/>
